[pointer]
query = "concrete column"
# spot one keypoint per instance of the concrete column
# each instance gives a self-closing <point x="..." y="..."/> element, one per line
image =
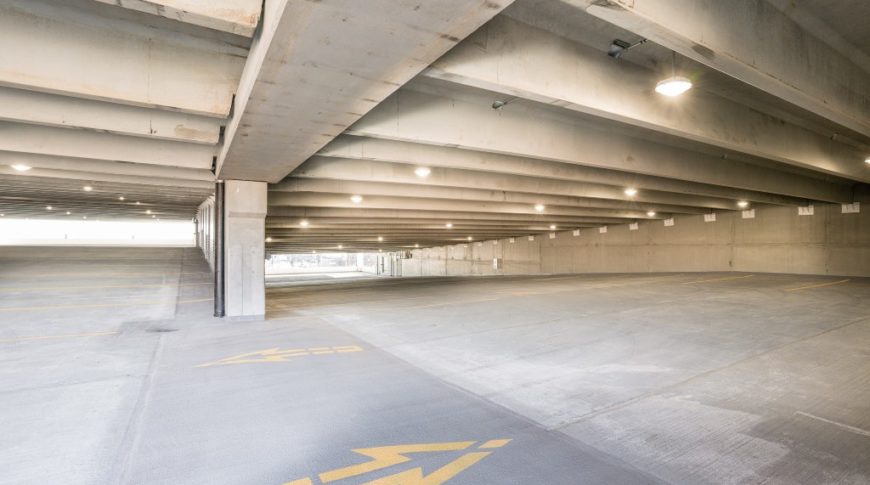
<point x="244" y="243"/>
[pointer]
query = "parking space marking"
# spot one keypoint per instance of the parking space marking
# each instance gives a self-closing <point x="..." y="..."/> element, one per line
<point x="387" y="456"/>
<point x="278" y="355"/>
<point x="47" y="337"/>
<point x="820" y="285"/>
<point x="727" y="278"/>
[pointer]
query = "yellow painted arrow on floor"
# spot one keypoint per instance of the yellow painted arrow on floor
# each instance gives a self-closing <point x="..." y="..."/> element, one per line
<point x="387" y="456"/>
<point x="278" y="355"/>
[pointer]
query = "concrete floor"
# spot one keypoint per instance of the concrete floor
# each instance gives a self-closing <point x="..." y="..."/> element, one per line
<point x="111" y="371"/>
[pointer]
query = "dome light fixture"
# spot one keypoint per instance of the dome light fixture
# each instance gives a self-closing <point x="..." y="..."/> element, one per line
<point x="674" y="85"/>
<point x="449" y="225"/>
<point x="470" y="238"/>
<point x="87" y="188"/>
<point x="341" y="246"/>
<point x="651" y="213"/>
<point x="48" y="207"/>
<point x="268" y="239"/>
<point x="631" y="191"/>
<point x="552" y="227"/>
<point x="540" y="207"/>
<point x="303" y="223"/>
<point x="422" y="172"/>
<point x="20" y="167"/>
<point x="380" y="238"/>
<point x="356" y="199"/>
<point x="743" y="204"/>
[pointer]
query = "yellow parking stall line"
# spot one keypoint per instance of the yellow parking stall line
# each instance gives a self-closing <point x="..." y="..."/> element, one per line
<point x="47" y="337"/>
<point x="820" y="285"/>
<point x="727" y="278"/>
<point x="98" y="305"/>
<point x="101" y="287"/>
<point x="278" y="355"/>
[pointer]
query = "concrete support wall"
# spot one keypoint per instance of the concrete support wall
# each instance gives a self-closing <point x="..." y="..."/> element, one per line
<point x="776" y="240"/>
<point x="245" y="226"/>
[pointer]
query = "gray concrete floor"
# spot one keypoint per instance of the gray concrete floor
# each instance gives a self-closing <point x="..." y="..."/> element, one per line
<point x="111" y="371"/>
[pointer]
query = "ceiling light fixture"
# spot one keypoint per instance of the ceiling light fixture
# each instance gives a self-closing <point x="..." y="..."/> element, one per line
<point x="148" y="211"/>
<point x="341" y="246"/>
<point x="631" y="191"/>
<point x="21" y="167"/>
<point x="469" y="238"/>
<point x="356" y="199"/>
<point x="138" y="203"/>
<point x="552" y="227"/>
<point x="743" y="204"/>
<point x="87" y="188"/>
<point x="540" y="207"/>
<point x="416" y="245"/>
<point x="674" y="85"/>
<point x="867" y="160"/>
<point x="48" y="208"/>
<point x="68" y="212"/>
<point x="303" y="223"/>
<point x="121" y="198"/>
<point x="268" y="239"/>
<point x="651" y="213"/>
<point x="449" y="225"/>
<point x="380" y="238"/>
<point x="422" y="172"/>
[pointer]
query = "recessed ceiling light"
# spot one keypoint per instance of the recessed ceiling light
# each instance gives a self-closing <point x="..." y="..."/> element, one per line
<point x="631" y="191"/>
<point x="303" y="223"/>
<point x="651" y="213"/>
<point x="449" y="225"/>
<point x="742" y="204"/>
<point x="87" y="188"/>
<point x="552" y="226"/>
<point x="380" y="238"/>
<point x="422" y="172"/>
<point x="540" y="207"/>
<point x="21" y="167"/>
<point x="121" y="198"/>
<point x="356" y="199"/>
<point x="268" y="239"/>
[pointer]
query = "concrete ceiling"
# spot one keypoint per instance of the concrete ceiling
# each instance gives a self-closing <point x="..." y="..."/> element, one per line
<point x="339" y="98"/>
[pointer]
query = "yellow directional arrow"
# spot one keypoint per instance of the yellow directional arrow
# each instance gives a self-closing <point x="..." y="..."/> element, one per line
<point x="387" y="456"/>
<point x="278" y="355"/>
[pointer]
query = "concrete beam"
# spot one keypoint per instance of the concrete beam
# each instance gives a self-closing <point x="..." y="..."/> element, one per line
<point x="533" y="130"/>
<point x="155" y="181"/>
<point x="61" y="111"/>
<point x="62" y="49"/>
<point x="85" y="165"/>
<point x="758" y="44"/>
<point x="520" y="60"/>
<point x="291" y="216"/>
<point x="62" y="142"/>
<point x="368" y="189"/>
<point x="317" y="67"/>
<point x="347" y="169"/>
<point x="308" y="199"/>
<point x="374" y="149"/>
<point x="238" y="17"/>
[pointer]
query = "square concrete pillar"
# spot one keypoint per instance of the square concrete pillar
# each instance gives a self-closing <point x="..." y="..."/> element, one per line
<point x="244" y="240"/>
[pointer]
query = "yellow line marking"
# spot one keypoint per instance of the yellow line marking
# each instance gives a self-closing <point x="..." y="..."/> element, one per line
<point x="387" y="456"/>
<point x="278" y="355"/>
<point x="77" y="288"/>
<point x="99" y="305"/>
<point x="719" y="279"/>
<point x="817" y="286"/>
<point x="45" y="337"/>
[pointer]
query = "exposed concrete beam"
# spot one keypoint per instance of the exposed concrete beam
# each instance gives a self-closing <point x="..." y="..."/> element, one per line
<point x="293" y="215"/>
<point x="335" y="168"/>
<point x="62" y="142"/>
<point x="381" y="189"/>
<point x="108" y="177"/>
<point x="520" y="60"/>
<point x="755" y="42"/>
<point x="238" y="17"/>
<point x="61" y="111"/>
<point x="102" y="166"/>
<point x="534" y="130"/>
<point x="62" y="49"/>
<point x="317" y="67"/>
<point x="363" y="148"/>
<point x="308" y="199"/>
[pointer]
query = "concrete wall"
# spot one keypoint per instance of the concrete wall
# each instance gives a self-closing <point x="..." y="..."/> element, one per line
<point x="776" y="240"/>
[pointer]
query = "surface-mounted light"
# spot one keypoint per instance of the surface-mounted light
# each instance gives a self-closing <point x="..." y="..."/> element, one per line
<point x="153" y="217"/>
<point x="867" y="160"/>
<point x="469" y="238"/>
<point x="268" y="239"/>
<point x="21" y="167"/>
<point x="651" y="213"/>
<point x="138" y="203"/>
<point x="449" y="225"/>
<point x="341" y="246"/>
<point x="68" y="212"/>
<point x="84" y="217"/>
<point x="631" y="191"/>
<point x="87" y="188"/>
<point x="380" y="238"/>
<point x="121" y="198"/>
<point x="743" y="204"/>
<point x="422" y="172"/>
<point x="356" y="199"/>
<point x="540" y="207"/>
<point x="673" y="86"/>
<point x="552" y="227"/>
<point x="303" y="223"/>
<point x="313" y="252"/>
<point x="48" y="207"/>
<point x="148" y="211"/>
